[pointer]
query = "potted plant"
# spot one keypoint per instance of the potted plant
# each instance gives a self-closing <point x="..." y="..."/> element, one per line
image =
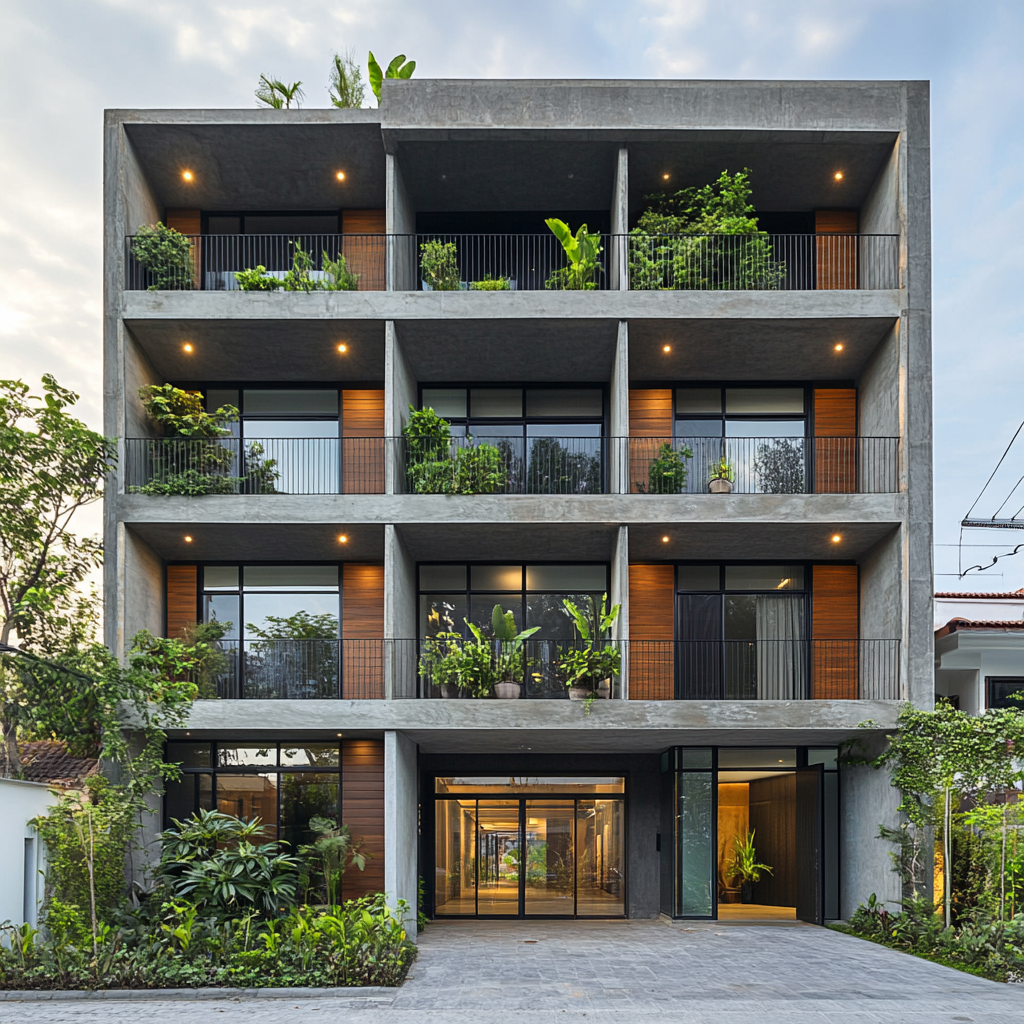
<point x="441" y="662"/>
<point x="509" y="655"/>
<point x="588" y="670"/>
<point x="667" y="471"/>
<point x="746" y="867"/>
<point x="721" y="477"/>
<point x="439" y="266"/>
<point x="491" y="284"/>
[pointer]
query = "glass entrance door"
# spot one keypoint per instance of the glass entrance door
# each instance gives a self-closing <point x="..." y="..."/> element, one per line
<point x="499" y="857"/>
<point x="550" y="861"/>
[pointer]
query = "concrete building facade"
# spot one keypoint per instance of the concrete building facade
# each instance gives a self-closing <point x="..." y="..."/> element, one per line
<point x="728" y="435"/>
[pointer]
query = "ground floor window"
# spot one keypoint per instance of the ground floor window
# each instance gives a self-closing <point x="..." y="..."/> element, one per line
<point x="531" y="847"/>
<point x="756" y="832"/>
<point x="1004" y="692"/>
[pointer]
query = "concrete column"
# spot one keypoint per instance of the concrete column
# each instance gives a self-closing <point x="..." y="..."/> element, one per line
<point x="618" y="419"/>
<point x="400" y="220"/>
<point x="400" y="676"/>
<point x="619" y="594"/>
<point x="617" y="263"/>
<point x="399" y="394"/>
<point x="401" y="825"/>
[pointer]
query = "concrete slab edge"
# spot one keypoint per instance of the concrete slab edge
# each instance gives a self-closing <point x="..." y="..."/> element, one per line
<point x="361" y="992"/>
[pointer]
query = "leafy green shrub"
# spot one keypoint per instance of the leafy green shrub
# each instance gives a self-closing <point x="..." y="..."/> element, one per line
<point x="779" y="466"/>
<point x="439" y="266"/>
<point x="581" y="250"/>
<point x="491" y="284"/>
<point x="339" y="277"/>
<point x="667" y="471"/>
<point x="434" y="467"/>
<point x="257" y="280"/>
<point x="167" y="256"/>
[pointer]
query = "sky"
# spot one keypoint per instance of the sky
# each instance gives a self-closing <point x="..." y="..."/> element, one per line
<point x="62" y="62"/>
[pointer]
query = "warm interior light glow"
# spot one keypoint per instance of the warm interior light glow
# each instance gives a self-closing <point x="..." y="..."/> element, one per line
<point x="666" y="348"/>
<point x="340" y="175"/>
<point x="839" y="175"/>
<point x="187" y="175"/>
<point x="188" y="539"/>
<point x="785" y="583"/>
<point x="343" y="539"/>
<point x="836" y="538"/>
<point x="664" y="540"/>
<point x="343" y="348"/>
<point x="665" y="176"/>
<point x="187" y="346"/>
<point x="839" y="346"/>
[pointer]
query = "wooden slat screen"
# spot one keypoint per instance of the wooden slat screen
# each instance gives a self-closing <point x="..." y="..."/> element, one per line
<point x="182" y="597"/>
<point x="362" y="809"/>
<point x="188" y="222"/>
<point x="837" y="256"/>
<point x="362" y="619"/>
<point x="367" y="256"/>
<point x="650" y="415"/>
<point x="835" y="616"/>
<point x="651" y="617"/>
<point x="362" y="417"/>
<point x="835" y="446"/>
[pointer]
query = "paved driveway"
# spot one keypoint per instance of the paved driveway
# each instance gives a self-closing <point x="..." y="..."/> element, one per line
<point x="619" y="972"/>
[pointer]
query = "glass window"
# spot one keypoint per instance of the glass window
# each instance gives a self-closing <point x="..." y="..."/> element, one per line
<point x="306" y="795"/>
<point x="764" y="577"/>
<point x="230" y="756"/>
<point x="316" y="755"/>
<point x="481" y="610"/>
<point x="446" y="402"/>
<point x="292" y="223"/>
<point x="287" y="402"/>
<point x="496" y="402"/>
<point x="698" y="577"/>
<point x="223" y="225"/>
<point x="1002" y="691"/>
<point x="757" y="757"/>
<point x="190" y="755"/>
<point x="180" y="798"/>
<point x="567" y="578"/>
<point x="564" y="402"/>
<point x="764" y="428"/>
<point x="695" y="757"/>
<point x="217" y="398"/>
<point x="529" y="784"/>
<point x="691" y="401"/>
<point x="292" y="616"/>
<point x="223" y="608"/>
<point x="249" y="796"/>
<point x="496" y="577"/>
<point x="548" y="611"/>
<point x="825" y="755"/>
<point x="764" y="400"/>
<point x="442" y="577"/>
<point x="291" y="577"/>
<point x="699" y="428"/>
<point x="443" y="613"/>
<point x="695" y="819"/>
<point x="271" y="429"/>
<point x="220" y="577"/>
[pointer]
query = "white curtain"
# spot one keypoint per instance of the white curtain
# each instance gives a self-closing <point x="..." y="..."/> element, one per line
<point x="781" y="659"/>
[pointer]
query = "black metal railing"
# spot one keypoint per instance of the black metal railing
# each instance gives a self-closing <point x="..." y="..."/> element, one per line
<point x="302" y="669"/>
<point x="291" y="262"/>
<point x="230" y="465"/>
<point x="764" y="670"/>
<point x="515" y="262"/>
<point x="764" y="465"/>
<point x="502" y="465"/>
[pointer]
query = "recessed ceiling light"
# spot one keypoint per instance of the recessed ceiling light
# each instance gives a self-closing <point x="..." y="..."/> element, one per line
<point x="186" y="175"/>
<point x="343" y="348"/>
<point x="836" y="538"/>
<point x="340" y="175"/>
<point x="187" y="346"/>
<point x="343" y="539"/>
<point x="188" y="539"/>
<point x="666" y="348"/>
<point x="839" y="175"/>
<point x="665" y="177"/>
<point x="839" y="346"/>
<point x="664" y="540"/>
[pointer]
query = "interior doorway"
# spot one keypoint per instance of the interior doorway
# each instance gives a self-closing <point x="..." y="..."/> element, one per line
<point x="541" y="853"/>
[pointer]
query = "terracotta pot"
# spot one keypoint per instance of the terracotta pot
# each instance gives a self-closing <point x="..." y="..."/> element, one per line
<point x="719" y="485"/>
<point x="507" y="691"/>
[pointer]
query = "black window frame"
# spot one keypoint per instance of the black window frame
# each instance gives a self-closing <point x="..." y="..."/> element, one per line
<point x="993" y="681"/>
<point x="724" y="417"/>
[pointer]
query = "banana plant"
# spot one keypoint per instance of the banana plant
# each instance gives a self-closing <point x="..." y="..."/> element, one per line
<point x="508" y="647"/>
<point x="581" y="250"/>
<point x="398" y="68"/>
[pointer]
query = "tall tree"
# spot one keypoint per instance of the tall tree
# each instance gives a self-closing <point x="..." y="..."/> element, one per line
<point x="51" y="465"/>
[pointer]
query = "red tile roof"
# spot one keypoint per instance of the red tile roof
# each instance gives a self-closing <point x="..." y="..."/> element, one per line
<point x="1018" y="594"/>
<point x="49" y="761"/>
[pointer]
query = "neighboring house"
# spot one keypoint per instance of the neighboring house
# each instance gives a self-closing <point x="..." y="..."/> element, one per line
<point x="767" y="611"/>
<point x="979" y="649"/>
<point x="48" y="770"/>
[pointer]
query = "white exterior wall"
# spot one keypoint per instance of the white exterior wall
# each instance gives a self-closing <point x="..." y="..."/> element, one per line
<point x="21" y="849"/>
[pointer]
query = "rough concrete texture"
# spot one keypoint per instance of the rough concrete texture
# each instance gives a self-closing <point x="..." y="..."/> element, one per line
<point x="635" y="972"/>
<point x="401" y="825"/>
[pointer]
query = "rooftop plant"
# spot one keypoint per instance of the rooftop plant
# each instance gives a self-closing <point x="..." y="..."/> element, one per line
<point x="272" y="92"/>
<point x="398" y="68"/>
<point x="346" y="83"/>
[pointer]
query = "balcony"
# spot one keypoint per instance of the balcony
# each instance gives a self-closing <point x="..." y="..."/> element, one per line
<point x="516" y="262"/>
<point x="513" y="465"/>
<point x="443" y="668"/>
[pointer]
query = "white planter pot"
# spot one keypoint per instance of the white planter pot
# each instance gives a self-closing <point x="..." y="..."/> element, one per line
<point x="507" y="691"/>
<point x="579" y="693"/>
<point x="447" y="691"/>
<point x="720" y="486"/>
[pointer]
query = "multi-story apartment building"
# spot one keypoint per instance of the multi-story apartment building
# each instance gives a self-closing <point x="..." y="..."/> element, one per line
<point x="769" y="609"/>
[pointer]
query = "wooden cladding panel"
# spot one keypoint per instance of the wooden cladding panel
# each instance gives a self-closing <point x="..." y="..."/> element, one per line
<point x="836" y="255"/>
<point x="366" y="256"/>
<point x="650" y="415"/>
<point x="362" y="809"/>
<point x="362" y="612"/>
<point x="835" y="447"/>
<point x="362" y="428"/>
<point x="182" y="597"/>
<point x="835" y="617"/>
<point x="651" y="617"/>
